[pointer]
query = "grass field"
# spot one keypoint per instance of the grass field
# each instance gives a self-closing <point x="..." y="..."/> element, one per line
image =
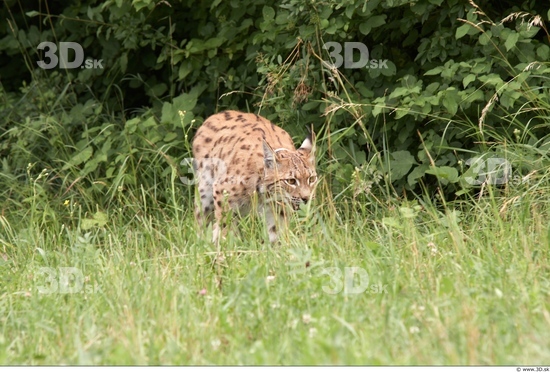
<point x="354" y="282"/>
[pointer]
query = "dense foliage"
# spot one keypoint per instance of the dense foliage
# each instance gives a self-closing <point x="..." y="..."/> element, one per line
<point x="448" y="80"/>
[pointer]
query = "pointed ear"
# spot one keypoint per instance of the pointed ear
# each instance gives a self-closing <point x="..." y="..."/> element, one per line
<point x="308" y="146"/>
<point x="269" y="156"/>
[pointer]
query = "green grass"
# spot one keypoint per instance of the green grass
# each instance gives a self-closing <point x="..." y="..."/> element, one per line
<point x="467" y="283"/>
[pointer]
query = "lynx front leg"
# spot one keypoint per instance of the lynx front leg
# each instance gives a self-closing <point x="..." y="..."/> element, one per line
<point x="275" y="222"/>
<point x="218" y="215"/>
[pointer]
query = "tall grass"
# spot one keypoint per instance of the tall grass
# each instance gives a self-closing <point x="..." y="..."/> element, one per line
<point x="461" y="284"/>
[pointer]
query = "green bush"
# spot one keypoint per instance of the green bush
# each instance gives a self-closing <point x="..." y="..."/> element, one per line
<point x="455" y="80"/>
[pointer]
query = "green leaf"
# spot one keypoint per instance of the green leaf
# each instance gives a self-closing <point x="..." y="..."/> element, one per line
<point x="462" y="30"/>
<point x="444" y="174"/>
<point x="401" y="163"/>
<point x="417" y="172"/>
<point x="99" y="219"/>
<point x="364" y="28"/>
<point x="485" y="37"/>
<point x="123" y="62"/>
<point x="434" y="71"/>
<point x="378" y="109"/>
<point x="268" y="13"/>
<point x="373" y="22"/>
<point x="511" y="40"/>
<point x="450" y="100"/>
<point x="528" y="33"/>
<point x="543" y="52"/>
<point x="399" y="92"/>
<point x="213" y="43"/>
<point x="131" y="125"/>
<point x="185" y="68"/>
<point x="140" y="4"/>
<point x="80" y="158"/>
<point x="390" y="71"/>
<point x="508" y="98"/>
<point x="419" y="7"/>
<point x="310" y="105"/>
<point x="179" y="109"/>
<point x="402" y="111"/>
<point x="377" y="21"/>
<point x="150" y="122"/>
<point x="169" y="136"/>
<point x="468" y="79"/>
<point x="158" y="90"/>
<point x="492" y="79"/>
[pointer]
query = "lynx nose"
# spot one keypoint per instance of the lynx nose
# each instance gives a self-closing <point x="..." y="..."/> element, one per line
<point x="305" y="200"/>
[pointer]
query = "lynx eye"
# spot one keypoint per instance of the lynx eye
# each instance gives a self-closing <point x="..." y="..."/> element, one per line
<point x="291" y="181"/>
<point x="312" y="180"/>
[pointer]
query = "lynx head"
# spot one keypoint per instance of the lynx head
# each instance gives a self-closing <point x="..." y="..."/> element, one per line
<point x="289" y="175"/>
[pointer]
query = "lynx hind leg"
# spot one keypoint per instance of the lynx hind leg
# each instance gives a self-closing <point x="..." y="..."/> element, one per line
<point x="204" y="202"/>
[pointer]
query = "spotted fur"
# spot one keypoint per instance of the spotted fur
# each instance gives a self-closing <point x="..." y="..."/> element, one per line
<point x="240" y="157"/>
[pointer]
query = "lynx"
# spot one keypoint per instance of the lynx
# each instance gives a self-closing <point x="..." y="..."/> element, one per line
<point x="240" y="157"/>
